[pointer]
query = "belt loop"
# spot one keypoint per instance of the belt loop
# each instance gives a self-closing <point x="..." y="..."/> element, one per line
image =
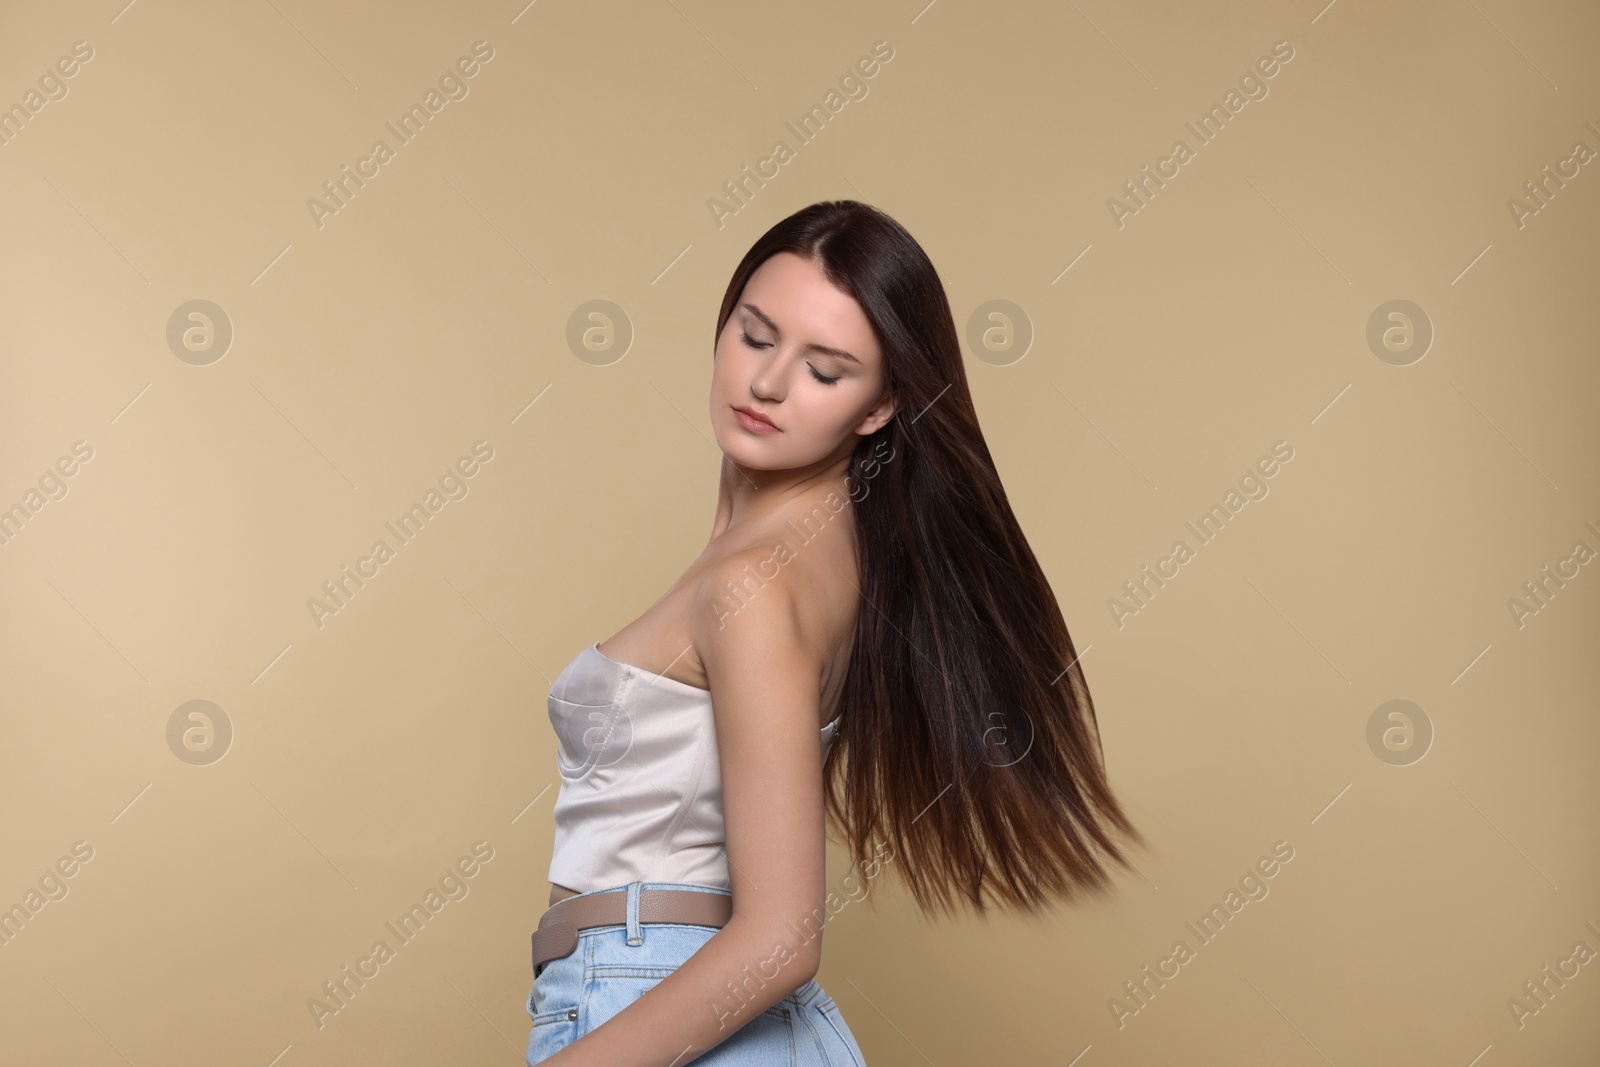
<point x="635" y="932"/>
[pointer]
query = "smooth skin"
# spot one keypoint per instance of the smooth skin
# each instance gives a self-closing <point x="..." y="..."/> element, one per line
<point x="774" y="655"/>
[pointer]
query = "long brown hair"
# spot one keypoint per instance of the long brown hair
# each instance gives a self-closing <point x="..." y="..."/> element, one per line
<point x="969" y="746"/>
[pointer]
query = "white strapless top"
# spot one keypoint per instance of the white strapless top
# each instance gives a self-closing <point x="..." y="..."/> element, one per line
<point x="641" y="786"/>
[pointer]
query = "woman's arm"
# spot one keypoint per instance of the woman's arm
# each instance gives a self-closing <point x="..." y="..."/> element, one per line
<point x="765" y="678"/>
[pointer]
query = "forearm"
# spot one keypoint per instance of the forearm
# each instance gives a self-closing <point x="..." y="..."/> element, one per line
<point x="740" y="972"/>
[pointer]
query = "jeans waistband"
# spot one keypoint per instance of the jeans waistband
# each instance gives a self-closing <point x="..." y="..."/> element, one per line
<point x="807" y="993"/>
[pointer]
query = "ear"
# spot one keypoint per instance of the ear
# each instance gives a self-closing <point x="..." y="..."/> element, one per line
<point x="880" y="413"/>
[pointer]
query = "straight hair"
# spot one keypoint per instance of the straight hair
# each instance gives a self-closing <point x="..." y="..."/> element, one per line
<point x="968" y="748"/>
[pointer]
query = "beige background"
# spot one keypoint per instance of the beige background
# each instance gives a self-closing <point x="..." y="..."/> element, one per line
<point x="369" y="753"/>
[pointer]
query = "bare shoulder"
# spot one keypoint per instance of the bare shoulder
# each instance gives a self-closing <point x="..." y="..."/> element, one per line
<point x="746" y="608"/>
<point x="785" y="604"/>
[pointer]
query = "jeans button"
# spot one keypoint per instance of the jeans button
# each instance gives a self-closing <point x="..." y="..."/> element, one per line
<point x="573" y="1015"/>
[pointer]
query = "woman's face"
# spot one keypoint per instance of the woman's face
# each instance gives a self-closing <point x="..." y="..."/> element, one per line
<point x="801" y="353"/>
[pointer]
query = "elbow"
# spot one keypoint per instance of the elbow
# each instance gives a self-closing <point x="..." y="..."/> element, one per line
<point x="799" y="971"/>
<point x="786" y="952"/>
<point x="807" y="965"/>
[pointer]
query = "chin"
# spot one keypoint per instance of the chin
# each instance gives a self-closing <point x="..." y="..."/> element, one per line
<point x="755" y="459"/>
<point x="750" y="453"/>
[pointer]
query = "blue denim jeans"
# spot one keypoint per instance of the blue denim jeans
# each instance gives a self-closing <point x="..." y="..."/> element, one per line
<point x="574" y="994"/>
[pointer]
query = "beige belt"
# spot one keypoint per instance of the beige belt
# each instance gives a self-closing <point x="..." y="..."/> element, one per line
<point x="559" y="926"/>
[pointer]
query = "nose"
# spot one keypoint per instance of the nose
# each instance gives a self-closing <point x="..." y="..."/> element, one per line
<point x="768" y="381"/>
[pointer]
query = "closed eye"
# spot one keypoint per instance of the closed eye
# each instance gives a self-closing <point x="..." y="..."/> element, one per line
<point x="758" y="345"/>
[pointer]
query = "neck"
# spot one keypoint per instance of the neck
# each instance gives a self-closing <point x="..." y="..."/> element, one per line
<point x="748" y="497"/>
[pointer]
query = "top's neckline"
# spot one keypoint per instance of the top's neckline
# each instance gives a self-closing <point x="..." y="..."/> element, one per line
<point x="706" y="693"/>
<point x="650" y="674"/>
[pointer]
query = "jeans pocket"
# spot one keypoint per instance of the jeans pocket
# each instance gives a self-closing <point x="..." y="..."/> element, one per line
<point x="540" y="986"/>
<point x="609" y="989"/>
<point x="766" y="1039"/>
<point x="552" y="1031"/>
<point x="758" y="1039"/>
<point x="841" y="1029"/>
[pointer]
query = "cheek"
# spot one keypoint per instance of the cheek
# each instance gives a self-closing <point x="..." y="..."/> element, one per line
<point x="826" y="413"/>
<point x="732" y="363"/>
<point x="723" y="371"/>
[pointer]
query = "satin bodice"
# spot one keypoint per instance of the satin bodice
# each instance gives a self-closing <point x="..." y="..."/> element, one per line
<point x="641" y="785"/>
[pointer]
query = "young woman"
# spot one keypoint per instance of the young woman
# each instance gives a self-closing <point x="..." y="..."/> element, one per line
<point x="866" y="635"/>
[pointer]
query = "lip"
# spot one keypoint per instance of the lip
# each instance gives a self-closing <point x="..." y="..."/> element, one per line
<point x="754" y="421"/>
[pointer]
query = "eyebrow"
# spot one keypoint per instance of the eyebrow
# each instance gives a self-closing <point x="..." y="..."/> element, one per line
<point x="824" y="349"/>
